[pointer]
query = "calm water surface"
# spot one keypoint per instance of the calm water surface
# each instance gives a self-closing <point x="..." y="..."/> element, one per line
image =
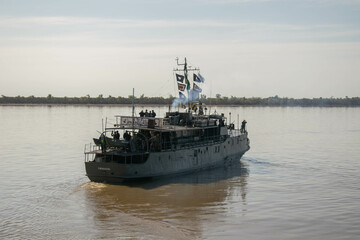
<point x="300" y="180"/>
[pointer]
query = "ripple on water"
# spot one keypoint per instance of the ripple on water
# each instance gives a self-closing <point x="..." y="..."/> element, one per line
<point x="298" y="181"/>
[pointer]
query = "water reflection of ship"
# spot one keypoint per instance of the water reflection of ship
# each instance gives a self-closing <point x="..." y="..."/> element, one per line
<point x="164" y="207"/>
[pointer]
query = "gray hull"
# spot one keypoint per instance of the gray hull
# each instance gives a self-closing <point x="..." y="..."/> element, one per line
<point x="176" y="161"/>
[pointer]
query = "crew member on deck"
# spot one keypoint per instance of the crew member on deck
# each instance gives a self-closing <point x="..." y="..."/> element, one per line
<point x="243" y="126"/>
<point x="153" y="114"/>
<point x="103" y="143"/>
<point x="221" y="122"/>
<point x="116" y="135"/>
<point x="142" y="114"/>
<point x="127" y="136"/>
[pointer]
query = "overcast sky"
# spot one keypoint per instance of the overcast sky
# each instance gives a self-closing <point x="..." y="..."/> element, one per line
<point x="261" y="48"/>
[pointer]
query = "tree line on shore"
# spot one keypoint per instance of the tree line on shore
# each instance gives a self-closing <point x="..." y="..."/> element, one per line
<point x="241" y="101"/>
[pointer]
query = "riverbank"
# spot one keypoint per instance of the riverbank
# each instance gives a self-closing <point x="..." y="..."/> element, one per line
<point x="160" y="101"/>
<point x="159" y="105"/>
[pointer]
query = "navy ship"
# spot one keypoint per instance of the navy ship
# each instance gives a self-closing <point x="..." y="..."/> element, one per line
<point x="181" y="142"/>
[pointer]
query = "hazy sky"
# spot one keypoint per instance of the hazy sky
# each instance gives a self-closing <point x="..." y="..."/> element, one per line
<point x="262" y="48"/>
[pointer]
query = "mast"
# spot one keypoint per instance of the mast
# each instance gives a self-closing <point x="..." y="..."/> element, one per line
<point x="133" y="109"/>
<point x="187" y="82"/>
<point x="186" y="67"/>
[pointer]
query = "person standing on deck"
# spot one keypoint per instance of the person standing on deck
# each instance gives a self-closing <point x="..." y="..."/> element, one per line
<point x="153" y="114"/>
<point x="243" y="124"/>
<point x="103" y="143"/>
<point x="142" y="114"/>
<point x="127" y="136"/>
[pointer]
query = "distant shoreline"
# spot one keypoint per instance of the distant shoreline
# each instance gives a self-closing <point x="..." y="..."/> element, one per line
<point x="160" y="101"/>
<point x="161" y="105"/>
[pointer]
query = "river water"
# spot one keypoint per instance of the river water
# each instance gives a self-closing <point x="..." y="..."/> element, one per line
<point x="300" y="180"/>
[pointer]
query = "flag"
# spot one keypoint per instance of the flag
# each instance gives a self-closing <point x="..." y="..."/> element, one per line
<point x="182" y="100"/>
<point x="197" y="88"/>
<point x="196" y="78"/>
<point x="181" y="87"/>
<point x="182" y="96"/>
<point x="193" y="107"/>
<point x="182" y="105"/>
<point x="193" y="95"/>
<point x="187" y="82"/>
<point x="202" y="79"/>
<point x="180" y="78"/>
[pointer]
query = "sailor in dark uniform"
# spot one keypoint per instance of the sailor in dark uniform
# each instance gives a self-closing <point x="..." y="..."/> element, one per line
<point x="142" y="114"/>
<point x="153" y="114"/>
<point x="127" y="136"/>
<point x="117" y="135"/>
<point x="243" y="126"/>
<point x="146" y="113"/>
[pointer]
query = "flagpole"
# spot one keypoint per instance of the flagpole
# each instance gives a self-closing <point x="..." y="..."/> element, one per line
<point x="187" y="82"/>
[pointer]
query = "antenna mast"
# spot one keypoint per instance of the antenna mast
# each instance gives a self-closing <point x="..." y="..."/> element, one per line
<point x="133" y="109"/>
<point x="186" y="68"/>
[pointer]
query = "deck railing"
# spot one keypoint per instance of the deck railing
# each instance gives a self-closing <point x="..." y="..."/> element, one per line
<point x="89" y="151"/>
